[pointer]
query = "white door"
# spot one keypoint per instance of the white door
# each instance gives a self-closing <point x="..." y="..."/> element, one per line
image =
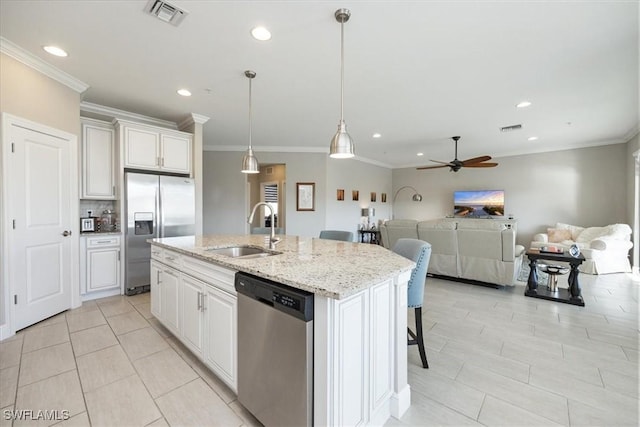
<point x="39" y="186"/>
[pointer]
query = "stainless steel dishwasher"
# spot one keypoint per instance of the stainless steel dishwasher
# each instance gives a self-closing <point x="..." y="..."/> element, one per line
<point x="275" y="351"/>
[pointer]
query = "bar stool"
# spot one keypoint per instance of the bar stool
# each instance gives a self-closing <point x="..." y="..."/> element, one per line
<point x="418" y="251"/>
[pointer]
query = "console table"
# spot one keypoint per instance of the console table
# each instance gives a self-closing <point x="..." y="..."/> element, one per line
<point x="369" y="236"/>
<point x="573" y="295"/>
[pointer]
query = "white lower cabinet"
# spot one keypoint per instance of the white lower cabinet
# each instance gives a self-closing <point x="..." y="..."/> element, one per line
<point x="201" y="312"/>
<point x="99" y="266"/>
<point x="221" y="316"/>
<point x="191" y="312"/>
<point x="169" y="291"/>
<point x="156" y="294"/>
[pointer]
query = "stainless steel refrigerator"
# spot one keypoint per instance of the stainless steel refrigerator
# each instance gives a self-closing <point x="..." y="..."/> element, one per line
<point x="156" y="206"/>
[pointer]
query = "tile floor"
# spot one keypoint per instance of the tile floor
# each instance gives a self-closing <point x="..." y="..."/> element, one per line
<point x="496" y="358"/>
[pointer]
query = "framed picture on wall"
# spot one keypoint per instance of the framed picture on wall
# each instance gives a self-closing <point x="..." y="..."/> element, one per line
<point x="305" y="196"/>
<point x="355" y="195"/>
<point x="340" y="194"/>
<point x="383" y="197"/>
<point x="373" y="196"/>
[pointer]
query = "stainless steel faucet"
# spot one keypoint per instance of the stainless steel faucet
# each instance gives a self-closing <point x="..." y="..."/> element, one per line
<point x="273" y="240"/>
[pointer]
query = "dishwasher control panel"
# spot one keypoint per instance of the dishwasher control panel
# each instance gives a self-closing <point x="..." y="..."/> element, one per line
<point x="295" y="302"/>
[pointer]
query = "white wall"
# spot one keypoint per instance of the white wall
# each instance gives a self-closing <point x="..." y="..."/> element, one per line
<point x="225" y="191"/>
<point x="355" y="175"/>
<point x="31" y="95"/>
<point x="585" y="187"/>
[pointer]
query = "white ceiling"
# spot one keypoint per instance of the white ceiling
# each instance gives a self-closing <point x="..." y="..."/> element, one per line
<point x="418" y="72"/>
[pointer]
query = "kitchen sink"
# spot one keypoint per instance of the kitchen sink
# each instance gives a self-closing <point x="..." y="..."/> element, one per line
<point x="244" y="252"/>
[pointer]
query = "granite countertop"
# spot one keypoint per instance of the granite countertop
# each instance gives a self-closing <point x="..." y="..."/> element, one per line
<point x="328" y="268"/>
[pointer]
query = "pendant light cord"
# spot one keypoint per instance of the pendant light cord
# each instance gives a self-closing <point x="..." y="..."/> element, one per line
<point x="250" y="112"/>
<point x="342" y="71"/>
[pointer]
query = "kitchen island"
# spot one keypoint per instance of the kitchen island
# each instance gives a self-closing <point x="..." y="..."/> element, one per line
<point x="360" y="314"/>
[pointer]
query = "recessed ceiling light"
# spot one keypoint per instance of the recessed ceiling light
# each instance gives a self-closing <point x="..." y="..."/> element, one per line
<point x="184" y="92"/>
<point x="523" y="104"/>
<point x="55" y="50"/>
<point x="532" y="138"/>
<point x="377" y="135"/>
<point x="420" y="154"/>
<point x="261" y="33"/>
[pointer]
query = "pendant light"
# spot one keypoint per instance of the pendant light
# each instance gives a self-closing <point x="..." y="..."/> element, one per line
<point x="249" y="161"/>
<point x="341" y="143"/>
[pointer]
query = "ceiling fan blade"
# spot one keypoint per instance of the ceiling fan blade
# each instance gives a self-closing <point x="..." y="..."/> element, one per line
<point x="481" y="165"/>
<point x="476" y="160"/>
<point x="433" y="167"/>
<point x="444" y="163"/>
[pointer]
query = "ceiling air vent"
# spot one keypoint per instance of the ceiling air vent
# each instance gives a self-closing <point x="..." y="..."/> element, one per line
<point x="165" y="12"/>
<point x="510" y="128"/>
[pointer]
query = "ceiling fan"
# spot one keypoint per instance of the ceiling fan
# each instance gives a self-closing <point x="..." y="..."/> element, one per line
<point x="455" y="164"/>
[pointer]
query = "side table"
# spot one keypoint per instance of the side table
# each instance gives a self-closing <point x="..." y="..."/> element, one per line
<point x="573" y="295"/>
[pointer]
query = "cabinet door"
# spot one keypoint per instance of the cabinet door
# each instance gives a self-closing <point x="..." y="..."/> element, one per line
<point x="176" y="154"/>
<point x="221" y="340"/>
<point x="98" y="162"/>
<point x="156" y="292"/>
<point x="191" y="313"/>
<point x="170" y="289"/>
<point x="103" y="269"/>
<point x="142" y="148"/>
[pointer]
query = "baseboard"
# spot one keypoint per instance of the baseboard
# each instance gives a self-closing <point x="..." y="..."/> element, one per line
<point x="400" y="402"/>
<point x="467" y="281"/>
<point x="5" y="332"/>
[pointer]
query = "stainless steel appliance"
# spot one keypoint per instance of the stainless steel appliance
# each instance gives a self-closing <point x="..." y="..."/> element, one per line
<point x="275" y="351"/>
<point x="156" y="206"/>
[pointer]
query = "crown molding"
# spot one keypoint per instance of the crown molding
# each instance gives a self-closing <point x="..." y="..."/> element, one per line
<point x="27" y="58"/>
<point x="115" y="113"/>
<point x="193" y="118"/>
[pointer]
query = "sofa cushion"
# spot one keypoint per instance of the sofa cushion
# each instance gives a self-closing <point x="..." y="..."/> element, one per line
<point x="557" y="235"/>
<point x="574" y="229"/>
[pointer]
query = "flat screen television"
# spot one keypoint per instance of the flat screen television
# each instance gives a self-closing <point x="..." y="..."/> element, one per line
<point x="478" y="203"/>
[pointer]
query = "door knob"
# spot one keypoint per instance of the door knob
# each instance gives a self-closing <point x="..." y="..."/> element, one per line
<point x="66" y="233"/>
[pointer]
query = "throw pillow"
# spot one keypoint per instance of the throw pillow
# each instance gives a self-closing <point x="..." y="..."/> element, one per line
<point x="557" y="235"/>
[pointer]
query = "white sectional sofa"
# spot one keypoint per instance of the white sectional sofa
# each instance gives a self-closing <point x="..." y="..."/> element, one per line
<point x="606" y="249"/>
<point x="481" y="250"/>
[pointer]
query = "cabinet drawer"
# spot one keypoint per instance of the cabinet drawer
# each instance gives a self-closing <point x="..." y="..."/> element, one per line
<point x="171" y="258"/>
<point x="103" y="241"/>
<point x="157" y="253"/>
<point x="218" y="276"/>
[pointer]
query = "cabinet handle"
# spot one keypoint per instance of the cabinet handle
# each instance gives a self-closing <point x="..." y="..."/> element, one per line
<point x="170" y="258"/>
<point x="114" y="190"/>
<point x="202" y="303"/>
<point x="157" y="161"/>
<point x="158" y="276"/>
<point x="199" y="301"/>
<point x="162" y="163"/>
<point x="103" y="241"/>
<point x="118" y="255"/>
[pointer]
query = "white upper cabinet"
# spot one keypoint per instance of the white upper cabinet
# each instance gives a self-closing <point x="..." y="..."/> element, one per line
<point x="175" y="153"/>
<point x="153" y="148"/>
<point x="141" y="148"/>
<point x="98" y="155"/>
